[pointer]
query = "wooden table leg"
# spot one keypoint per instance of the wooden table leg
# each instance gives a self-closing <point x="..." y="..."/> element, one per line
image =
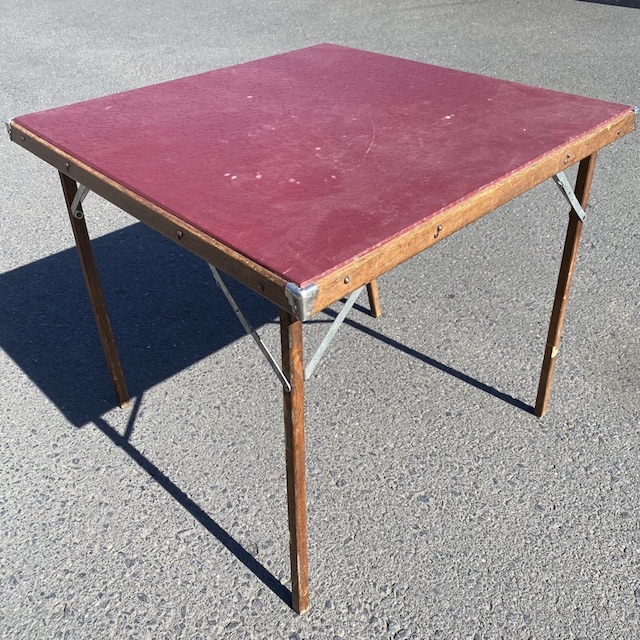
<point x="90" y="273"/>
<point x="292" y="366"/>
<point x="374" y="299"/>
<point x="583" y="186"/>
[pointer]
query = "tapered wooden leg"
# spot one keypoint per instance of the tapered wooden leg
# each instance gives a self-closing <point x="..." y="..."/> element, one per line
<point x="583" y="186"/>
<point x="90" y="273"/>
<point x="292" y="366"/>
<point x="374" y="299"/>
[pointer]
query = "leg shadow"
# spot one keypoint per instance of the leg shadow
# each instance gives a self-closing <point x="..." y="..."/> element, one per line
<point x="505" y="397"/>
<point x="122" y="442"/>
<point x="630" y="4"/>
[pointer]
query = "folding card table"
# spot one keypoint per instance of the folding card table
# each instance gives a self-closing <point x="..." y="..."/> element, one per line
<point x="307" y="175"/>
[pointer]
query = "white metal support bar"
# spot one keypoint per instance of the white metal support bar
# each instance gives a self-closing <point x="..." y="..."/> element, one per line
<point x="351" y="300"/>
<point x="567" y="190"/>
<point x="81" y="194"/>
<point x="249" y="329"/>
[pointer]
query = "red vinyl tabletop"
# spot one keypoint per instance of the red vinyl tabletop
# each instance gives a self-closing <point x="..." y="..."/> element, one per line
<point x="306" y="160"/>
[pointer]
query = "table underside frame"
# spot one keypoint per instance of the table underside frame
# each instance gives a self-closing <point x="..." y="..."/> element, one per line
<point x="338" y="284"/>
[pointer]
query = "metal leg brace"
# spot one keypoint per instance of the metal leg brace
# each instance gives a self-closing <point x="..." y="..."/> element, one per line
<point x="78" y="199"/>
<point x="249" y="329"/>
<point x="567" y="191"/>
<point x="313" y="363"/>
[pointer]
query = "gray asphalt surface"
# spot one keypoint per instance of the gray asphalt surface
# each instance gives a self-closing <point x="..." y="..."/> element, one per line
<point x="439" y="507"/>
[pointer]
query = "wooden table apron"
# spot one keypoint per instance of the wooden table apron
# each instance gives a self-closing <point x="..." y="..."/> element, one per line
<point x="331" y="287"/>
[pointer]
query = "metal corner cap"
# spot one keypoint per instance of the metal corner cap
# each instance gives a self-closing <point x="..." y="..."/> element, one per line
<point x="7" y="124"/>
<point x="301" y="299"/>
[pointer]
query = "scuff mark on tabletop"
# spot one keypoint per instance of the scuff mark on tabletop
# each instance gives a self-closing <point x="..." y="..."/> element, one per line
<point x="373" y="135"/>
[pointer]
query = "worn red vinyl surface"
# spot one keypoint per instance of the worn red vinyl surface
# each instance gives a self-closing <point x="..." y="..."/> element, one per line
<point x="306" y="160"/>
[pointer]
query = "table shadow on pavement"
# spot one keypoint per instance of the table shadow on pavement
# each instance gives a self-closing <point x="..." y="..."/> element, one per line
<point x="166" y="313"/>
<point x="165" y="309"/>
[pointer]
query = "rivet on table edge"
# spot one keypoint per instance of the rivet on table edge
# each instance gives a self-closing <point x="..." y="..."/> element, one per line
<point x="347" y="280"/>
<point x="438" y="230"/>
<point x="179" y="235"/>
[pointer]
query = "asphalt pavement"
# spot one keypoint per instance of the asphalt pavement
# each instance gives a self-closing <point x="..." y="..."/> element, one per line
<point x="438" y="505"/>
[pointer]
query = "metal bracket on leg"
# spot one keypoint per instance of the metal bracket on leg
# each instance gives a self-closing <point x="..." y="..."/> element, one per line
<point x="313" y="363"/>
<point x="81" y="194"/>
<point x="567" y="191"/>
<point x="249" y="329"/>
